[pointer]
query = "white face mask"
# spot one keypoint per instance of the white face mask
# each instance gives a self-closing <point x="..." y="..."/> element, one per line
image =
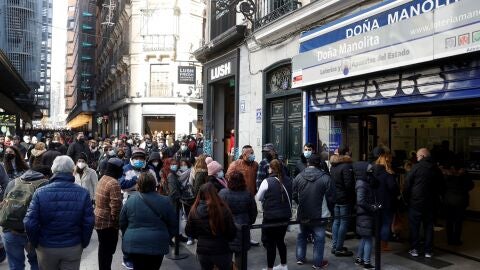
<point x="111" y="153"/>
<point x="81" y="165"/>
<point x="155" y="164"/>
<point x="183" y="147"/>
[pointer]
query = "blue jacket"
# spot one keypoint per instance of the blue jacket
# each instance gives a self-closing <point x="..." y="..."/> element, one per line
<point x="60" y="214"/>
<point x="144" y="232"/>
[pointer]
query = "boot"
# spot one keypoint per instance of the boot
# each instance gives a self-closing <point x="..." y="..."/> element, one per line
<point x="385" y="247"/>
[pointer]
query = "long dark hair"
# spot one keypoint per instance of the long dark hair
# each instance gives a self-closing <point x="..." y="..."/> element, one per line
<point x="215" y="207"/>
<point x="19" y="162"/>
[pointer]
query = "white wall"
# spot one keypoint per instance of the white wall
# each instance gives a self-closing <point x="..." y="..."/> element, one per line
<point x="251" y="87"/>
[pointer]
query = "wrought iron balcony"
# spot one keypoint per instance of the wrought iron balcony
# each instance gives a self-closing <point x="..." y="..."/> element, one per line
<point x="271" y="10"/>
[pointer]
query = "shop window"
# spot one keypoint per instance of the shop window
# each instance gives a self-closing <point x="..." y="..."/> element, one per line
<point x="279" y="80"/>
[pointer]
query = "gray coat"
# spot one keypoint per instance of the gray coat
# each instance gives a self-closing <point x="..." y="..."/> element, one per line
<point x="309" y="189"/>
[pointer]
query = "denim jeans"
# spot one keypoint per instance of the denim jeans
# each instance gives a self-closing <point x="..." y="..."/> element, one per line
<point x="415" y="218"/>
<point x="387" y="219"/>
<point x="364" y="251"/>
<point x="318" y="233"/>
<point x="15" y="246"/>
<point x="340" y="226"/>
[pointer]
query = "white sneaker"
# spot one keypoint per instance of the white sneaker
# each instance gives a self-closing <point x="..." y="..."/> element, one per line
<point x="428" y="255"/>
<point x="280" y="267"/>
<point x="189" y="242"/>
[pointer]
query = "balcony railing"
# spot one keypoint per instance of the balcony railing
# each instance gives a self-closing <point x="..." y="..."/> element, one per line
<point x="271" y="10"/>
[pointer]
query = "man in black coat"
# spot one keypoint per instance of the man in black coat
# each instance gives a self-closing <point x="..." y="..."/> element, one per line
<point x="342" y="174"/>
<point x="51" y="154"/>
<point x="311" y="189"/>
<point x="78" y="147"/>
<point x="423" y="186"/>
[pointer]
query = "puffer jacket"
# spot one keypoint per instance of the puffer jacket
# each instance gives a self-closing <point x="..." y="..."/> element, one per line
<point x="310" y="187"/>
<point x="144" y="232"/>
<point x="365" y="207"/>
<point x="198" y="227"/>
<point x="342" y="174"/>
<point x="60" y="214"/>
<point x="244" y="211"/>
<point x="423" y="185"/>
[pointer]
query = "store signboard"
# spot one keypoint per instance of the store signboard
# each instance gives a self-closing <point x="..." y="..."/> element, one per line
<point x="186" y="74"/>
<point x="393" y="34"/>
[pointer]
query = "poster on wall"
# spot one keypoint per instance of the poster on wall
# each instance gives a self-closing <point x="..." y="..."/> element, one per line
<point x="186" y="75"/>
<point x="8" y="123"/>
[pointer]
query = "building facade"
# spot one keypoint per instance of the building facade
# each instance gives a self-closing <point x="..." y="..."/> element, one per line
<point x="25" y="37"/>
<point x="148" y="79"/>
<point x="80" y="62"/>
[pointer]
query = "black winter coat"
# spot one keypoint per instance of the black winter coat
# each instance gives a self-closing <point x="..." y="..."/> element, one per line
<point x="342" y="174"/>
<point x="365" y="202"/>
<point x="244" y="211"/>
<point x="198" y="227"/>
<point x="76" y="148"/>
<point x="309" y="189"/>
<point x="276" y="204"/>
<point x="424" y="185"/>
<point x="457" y="190"/>
<point x="49" y="157"/>
<point x="387" y="191"/>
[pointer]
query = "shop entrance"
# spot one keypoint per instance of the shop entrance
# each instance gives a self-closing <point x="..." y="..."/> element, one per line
<point x="224" y="121"/>
<point x="159" y="123"/>
<point x="284" y="128"/>
<point x="361" y="134"/>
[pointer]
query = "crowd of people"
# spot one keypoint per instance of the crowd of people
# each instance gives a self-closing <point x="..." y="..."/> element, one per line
<point x="143" y="188"/>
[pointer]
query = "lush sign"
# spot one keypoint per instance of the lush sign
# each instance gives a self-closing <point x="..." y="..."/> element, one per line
<point x="186" y="74"/>
<point x="392" y="34"/>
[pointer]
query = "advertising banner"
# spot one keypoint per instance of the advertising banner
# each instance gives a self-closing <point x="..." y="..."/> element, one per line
<point x="186" y="75"/>
<point x="393" y="34"/>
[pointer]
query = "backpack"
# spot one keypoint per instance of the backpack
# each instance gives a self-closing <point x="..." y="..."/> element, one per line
<point x="15" y="204"/>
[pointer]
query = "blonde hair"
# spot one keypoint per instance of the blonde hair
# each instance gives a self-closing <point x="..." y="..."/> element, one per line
<point x="385" y="160"/>
<point x="200" y="163"/>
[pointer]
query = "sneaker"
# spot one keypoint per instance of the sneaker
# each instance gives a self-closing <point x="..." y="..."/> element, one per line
<point x="300" y="262"/>
<point x="368" y="266"/>
<point x="128" y="265"/>
<point x="413" y="253"/>
<point x="280" y="267"/>
<point x="322" y="266"/>
<point x="343" y="253"/>
<point x="189" y="242"/>
<point x="358" y="261"/>
<point x="428" y="255"/>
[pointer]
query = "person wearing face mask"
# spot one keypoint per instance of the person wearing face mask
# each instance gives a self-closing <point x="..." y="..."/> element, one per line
<point x="184" y="153"/>
<point x="108" y="153"/>
<point x="269" y="154"/>
<point x="247" y="165"/>
<point x="27" y="145"/>
<point x="78" y="147"/>
<point x="302" y="163"/>
<point x="14" y="164"/>
<point x="155" y="161"/>
<point x="85" y="176"/>
<point x="128" y="182"/>
<point x="216" y="175"/>
<point x="94" y="154"/>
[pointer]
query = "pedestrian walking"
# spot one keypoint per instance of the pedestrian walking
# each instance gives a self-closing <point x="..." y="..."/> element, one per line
<point x="59" y="221"/>
<point x="11" y="216"/>
<point x="85" y="176"/>
<point x="244" y="210"/>
<point x="148" y="222"/>
<point x="211" y="222"/>
<point x="311" y="189"/>
<point x="108" y="203"/>
<point x="423" y="186"/>
<point x="78" y="147"/>
<point x="13" y="163"/>
<point x="37" y="154"/>
<point x="275" y="193"/>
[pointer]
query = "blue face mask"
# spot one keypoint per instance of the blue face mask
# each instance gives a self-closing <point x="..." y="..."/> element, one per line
<point x="173" y="168"/>
<point x="220" y="174"/>
<point x="307" y="154"/>
<point x="138" y="164"/>
<point x="251" y="158"/>
<point x="183" y="168"/>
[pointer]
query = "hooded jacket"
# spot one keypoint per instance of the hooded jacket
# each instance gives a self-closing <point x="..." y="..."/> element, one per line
<point x="60" y="214"/>
<point x="198" y="227"/>
<point x="310" y="187"/>
<point x="28" y="176"/>
<point x="342" y="174"/>
<point x="423" y="185"/>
